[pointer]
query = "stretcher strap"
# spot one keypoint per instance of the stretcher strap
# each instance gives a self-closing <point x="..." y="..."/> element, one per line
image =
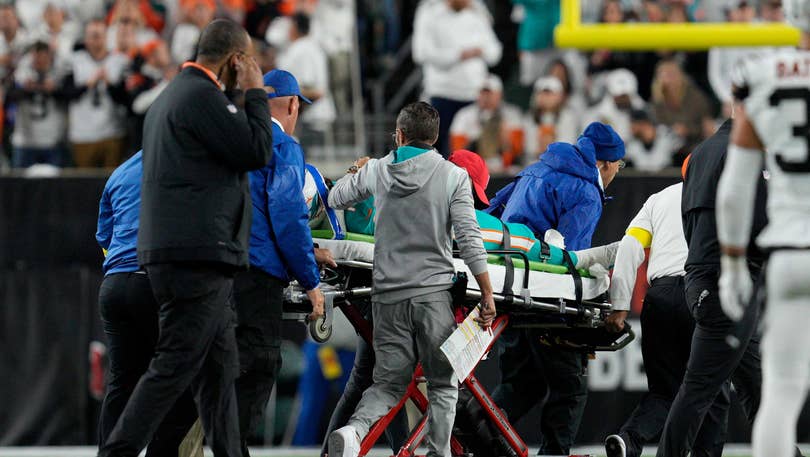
<point x="509" y="277"/>
<point x="574" y="274"/>
<point x="323" y="193"/>
<point x="545" y="250"/>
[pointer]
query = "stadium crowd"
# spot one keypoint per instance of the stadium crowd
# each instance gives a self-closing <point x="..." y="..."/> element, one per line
<point x="662" y="103"/>
<point x="78" y="77"/>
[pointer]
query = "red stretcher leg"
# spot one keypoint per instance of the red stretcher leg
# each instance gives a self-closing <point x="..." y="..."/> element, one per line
<point x="497" y="417"/>
<point x="417" y="435"/>
<point x="492" y="410"/>
<point x="411" y="393"/>
<point x="418" y="398"/>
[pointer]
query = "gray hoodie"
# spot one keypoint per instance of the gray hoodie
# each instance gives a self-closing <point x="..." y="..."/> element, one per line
<point x="419" y="203"/>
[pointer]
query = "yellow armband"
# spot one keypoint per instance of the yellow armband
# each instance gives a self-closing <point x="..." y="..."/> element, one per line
<point x="644" y="237"/>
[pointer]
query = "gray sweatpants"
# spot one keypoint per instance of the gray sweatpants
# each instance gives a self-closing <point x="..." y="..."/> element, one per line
<point x="405" y="332"/>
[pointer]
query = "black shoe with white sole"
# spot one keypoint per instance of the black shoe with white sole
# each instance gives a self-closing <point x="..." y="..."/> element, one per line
<point x="615" y="447"/>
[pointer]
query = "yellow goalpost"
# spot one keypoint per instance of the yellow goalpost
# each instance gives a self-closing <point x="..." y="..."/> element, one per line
<point x="571" y="33"/>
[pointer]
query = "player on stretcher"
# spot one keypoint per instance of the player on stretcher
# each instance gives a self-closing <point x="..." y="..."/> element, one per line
<point x="360" y="220"/>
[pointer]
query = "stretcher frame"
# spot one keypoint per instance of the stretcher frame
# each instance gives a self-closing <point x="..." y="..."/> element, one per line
<point x="587" y="314"/>
<point x="412" y="391"/>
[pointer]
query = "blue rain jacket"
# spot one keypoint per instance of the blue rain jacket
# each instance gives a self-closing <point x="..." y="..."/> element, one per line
<point x="280" y="239"/>
<point x="560" y="191"/>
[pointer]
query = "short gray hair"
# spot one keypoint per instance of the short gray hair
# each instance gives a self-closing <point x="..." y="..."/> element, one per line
<point x="419" y="122"/>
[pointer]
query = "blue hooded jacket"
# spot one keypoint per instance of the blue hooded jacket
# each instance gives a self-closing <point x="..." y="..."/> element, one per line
<point x="560" y="191"/>
<point x="118" y="215"/>
<point x="280" y="239"/>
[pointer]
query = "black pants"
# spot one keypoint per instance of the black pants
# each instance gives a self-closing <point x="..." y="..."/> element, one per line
<point x="447" y="109"/>
<point x="361" y="379"/>
<point x="712" y="363"/>
<point x="533" y="373"/>
<point x="129" y="314"/>
<point x="196" y="347"/>
<point x="667" y="326"/>
<point x="259" y="299"/>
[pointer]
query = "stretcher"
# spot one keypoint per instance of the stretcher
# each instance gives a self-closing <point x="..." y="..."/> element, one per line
<point x="567" y="307"/>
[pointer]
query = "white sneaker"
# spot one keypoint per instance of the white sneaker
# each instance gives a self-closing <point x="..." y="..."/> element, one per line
<point x="344" y="442"/>
<point x="615" y="447"/>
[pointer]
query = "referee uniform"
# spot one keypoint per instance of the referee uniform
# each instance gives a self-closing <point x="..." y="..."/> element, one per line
<point x="129" y="312"/>
<point x="712" y="361"/>
<point x="666" y="322"/>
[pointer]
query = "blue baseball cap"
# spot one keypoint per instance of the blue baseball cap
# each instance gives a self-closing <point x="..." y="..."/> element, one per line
<point x="284" y="85"/>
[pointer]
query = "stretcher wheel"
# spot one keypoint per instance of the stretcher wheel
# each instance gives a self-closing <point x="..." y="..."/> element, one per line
<point x="319" y="330"/>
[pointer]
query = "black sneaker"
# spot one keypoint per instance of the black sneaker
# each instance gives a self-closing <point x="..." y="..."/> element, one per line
<point x="615" y="447"/>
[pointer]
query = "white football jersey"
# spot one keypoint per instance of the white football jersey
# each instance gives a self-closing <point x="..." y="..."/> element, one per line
<point x="776" y="93"/>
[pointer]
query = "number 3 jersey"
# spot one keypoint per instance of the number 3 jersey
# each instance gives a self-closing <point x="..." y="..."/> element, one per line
<point x="775" y="90"/>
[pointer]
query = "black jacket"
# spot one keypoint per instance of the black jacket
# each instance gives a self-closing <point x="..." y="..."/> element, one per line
<point x="197" y="148"/>
<point x="698" y="209"/>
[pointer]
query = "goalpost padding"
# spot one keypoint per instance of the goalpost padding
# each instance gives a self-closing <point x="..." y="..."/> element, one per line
<point x="571" y="33"/>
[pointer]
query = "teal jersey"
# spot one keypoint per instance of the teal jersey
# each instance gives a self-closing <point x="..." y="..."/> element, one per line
<point x="521" y="237"/>
<point x="361" y="217"/>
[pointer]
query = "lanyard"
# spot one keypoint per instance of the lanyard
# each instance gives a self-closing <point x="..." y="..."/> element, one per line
<point x="207" y="72"/>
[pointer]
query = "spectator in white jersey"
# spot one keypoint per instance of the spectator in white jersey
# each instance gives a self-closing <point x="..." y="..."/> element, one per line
<point x="652" y="146"/>
<point x="41" y="117"/>
<point x="490" y="126"/>
<point x="61" y="34"/>
<point x="305" y="58"/>
<point x="96" y="131"/>
<point x="621" y="97"/>
<point x="333" y="26"/>
<point x="552" y="117"/>
<point x="455" y="44"/>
